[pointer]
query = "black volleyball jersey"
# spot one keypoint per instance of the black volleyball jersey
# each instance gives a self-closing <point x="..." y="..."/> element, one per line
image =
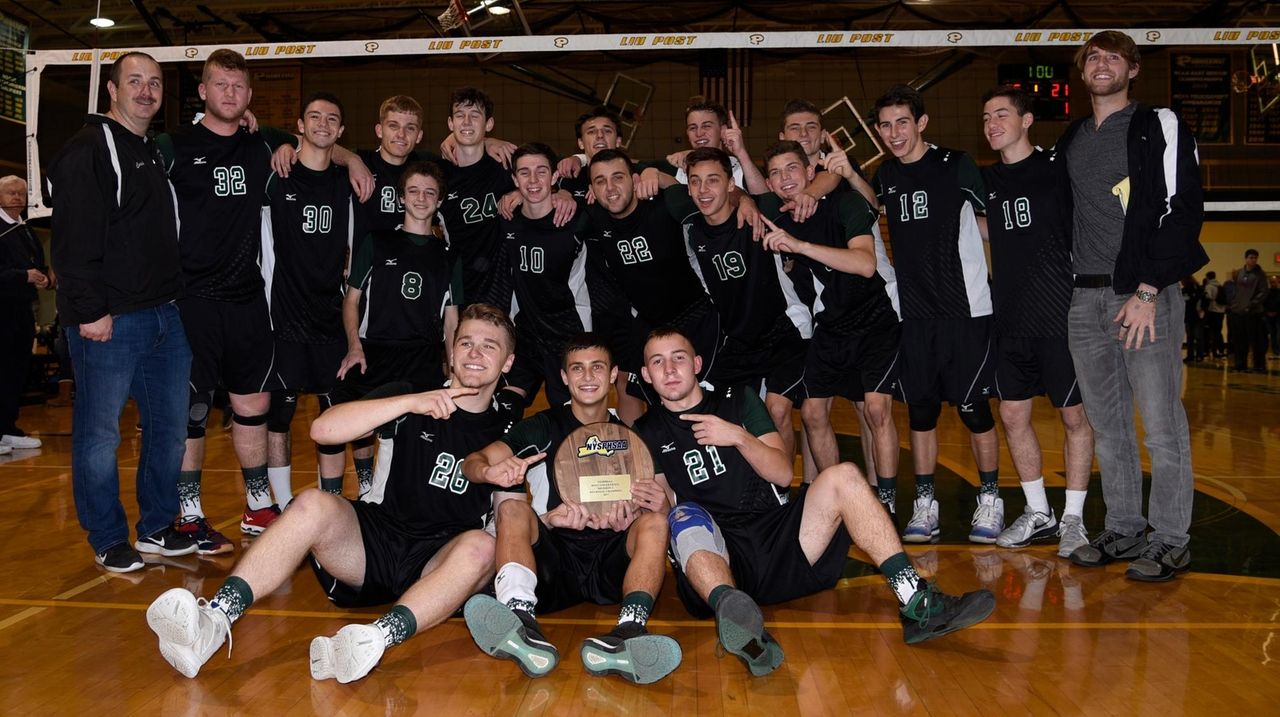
<point x="1029" y="220"/>
<point x="219" y="183"/>
<point x="751" y="291"/>
<point x="843" y="303"/>
<point x="549" y="275"/>
<point x="405" y="280"/>
<point x="426" y="493"/>
<point x="308" y="224"/>
<point x="646" y="253"/>
<point x="384" y="210"/>
<point x="718" y="478"/>
<point x="469" y="214"/>
<point x="937" y="249"/>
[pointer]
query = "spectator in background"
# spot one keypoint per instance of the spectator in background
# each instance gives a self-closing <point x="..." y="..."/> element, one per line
<point x="22" y="271"/>
<point x="1213" y="316"/>
<point x="1271" y="312"/>
<point x="1193" y="319"/>
<point x="1246" y="326"/>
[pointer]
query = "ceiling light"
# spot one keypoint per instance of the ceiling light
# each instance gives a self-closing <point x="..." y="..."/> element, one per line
<point x="99" y="21"/>
<point x="495" y="9"/>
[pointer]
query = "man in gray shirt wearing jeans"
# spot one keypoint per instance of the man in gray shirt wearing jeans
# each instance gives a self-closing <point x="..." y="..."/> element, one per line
<point x="1135" y="180"/>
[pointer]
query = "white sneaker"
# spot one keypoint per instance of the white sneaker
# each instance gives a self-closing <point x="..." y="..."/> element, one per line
<point x="1071" y="535"/>
<point x="189" y="630"/>
<point x="988" y="519"/>
<point x="348" y="655"/>
<point x="22" y="443"/>
<point x="1029" y="526"/>
<point x="5" y="450"/>
<point x="923" y="526"/>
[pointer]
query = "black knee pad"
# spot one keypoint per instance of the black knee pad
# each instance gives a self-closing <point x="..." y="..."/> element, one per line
<point x="331" y="450"/>
<point x="977" y="417"/>
<point x="924" y="417"/>
<point x="280" y="414"/>
<point x="198" y="413"/>
<point x="325" y="401"/>
<point x="257" y="420"/>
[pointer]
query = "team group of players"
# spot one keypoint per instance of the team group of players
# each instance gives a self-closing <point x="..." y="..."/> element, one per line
<point x="715" y="296"/>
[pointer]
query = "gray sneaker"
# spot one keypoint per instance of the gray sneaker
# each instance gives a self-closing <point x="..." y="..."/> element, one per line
<point x="1029" y="527"/>
<point x="1071" y="535"/>
<point x="1159" y="562"/>
<point x="1108" y="547"/>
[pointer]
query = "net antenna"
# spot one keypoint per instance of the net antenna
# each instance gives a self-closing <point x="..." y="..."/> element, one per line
<point x="844" y="112"/>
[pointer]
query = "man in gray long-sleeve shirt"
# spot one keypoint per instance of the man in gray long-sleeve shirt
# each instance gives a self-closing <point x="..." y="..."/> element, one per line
<point x="1245" y="324"/>
<point x="115" y="244"/>
<point x="1135" y="181"/>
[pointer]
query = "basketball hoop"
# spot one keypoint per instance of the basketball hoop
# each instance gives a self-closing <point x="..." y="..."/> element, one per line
<point x="454" y="16"/>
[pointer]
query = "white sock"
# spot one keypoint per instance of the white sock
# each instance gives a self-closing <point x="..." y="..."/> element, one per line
<point x="1033" y="594"/>
<point x="515" y="583"/>
<point x="281" y="479"/>
<point x="1075" y="503"/>
<point x="1034" y="491"/>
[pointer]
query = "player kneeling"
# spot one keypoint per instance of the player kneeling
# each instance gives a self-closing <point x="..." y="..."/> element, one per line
<point x="554" y="554"/>
<point x="422" y="548"/>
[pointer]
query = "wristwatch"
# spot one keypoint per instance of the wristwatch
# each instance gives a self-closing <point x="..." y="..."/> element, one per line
<point x="1146" y="297"/>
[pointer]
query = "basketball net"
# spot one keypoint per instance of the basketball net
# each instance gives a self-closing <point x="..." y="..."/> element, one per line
<point x="453" y="16"/>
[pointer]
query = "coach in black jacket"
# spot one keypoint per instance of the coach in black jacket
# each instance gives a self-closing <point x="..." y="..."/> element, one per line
<point x="115" y="245"/>
<point x="1138" y="207"/>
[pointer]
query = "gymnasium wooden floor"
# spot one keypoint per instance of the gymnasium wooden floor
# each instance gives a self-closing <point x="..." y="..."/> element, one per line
<point x="1063" y="640"/>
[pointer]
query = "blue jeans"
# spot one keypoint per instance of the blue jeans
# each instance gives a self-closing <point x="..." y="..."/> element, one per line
<point x="1111" y="378"/>
<point x="147" y="358"/>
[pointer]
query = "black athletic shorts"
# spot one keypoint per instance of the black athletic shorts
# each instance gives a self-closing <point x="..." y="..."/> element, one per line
<point x="577" y="566"/>
<point x="538" y="361"/>
<point x="417" y="364"/>
<point x="775" y="362"/>
<point x="699" y="322"/>
<point x="310" y="368"/>
<point x="231" y="344"/>
<point x="767" y="561"/>
<point x="852" y="365"/>
<point x="1027" y="367"/>
<point x="393" y="561"/>
<point x="950" y="360"/>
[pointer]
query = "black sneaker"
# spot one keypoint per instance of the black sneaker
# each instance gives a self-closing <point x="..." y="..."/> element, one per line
<point x="513" y="634"/>
<point x="631" y="653"/>
<point x="1159" y="562"/>
<point x="1108" y="547"/>
<point x="120" y="558"/>
<point x="932" y="613"/>
<point x="740" y="628"/>
<point x="167" y="542"/>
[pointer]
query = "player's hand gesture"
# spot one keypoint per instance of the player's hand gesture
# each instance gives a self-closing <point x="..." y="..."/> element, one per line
<point x="779" y="240"/>
<point x="731" y="137"/>
<point x="283" y="159"/>
<point x="619" y="517"/>
<point x="801" y="206"/>
<point x="711" y="430"/>
<point x="439" y="403"/>
<point x="249" y="121"/>
<point x="500" y="150"/>
<point x="509" y="203"/>
<point x="749" y="214"/>
<point x="677" y="159"/>
<point x="568" y="514"/>
<point x="836" y="162"/>
<point x="354" y="357"/>
<point x="646" y="183"/>
<point x="511" y="470"/>
<point x="570" y="166"/>
<point x="563" y="206"/>
<point x="648" y="495"/>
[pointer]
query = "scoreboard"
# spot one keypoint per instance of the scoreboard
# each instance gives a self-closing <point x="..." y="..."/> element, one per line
<point x="1049" y="87"/>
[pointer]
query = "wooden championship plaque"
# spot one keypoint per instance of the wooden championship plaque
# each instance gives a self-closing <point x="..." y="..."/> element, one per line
<point x="596" y="464"/>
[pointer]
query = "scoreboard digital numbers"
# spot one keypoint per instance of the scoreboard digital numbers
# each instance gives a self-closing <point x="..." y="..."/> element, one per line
<point x="1049" y="87"/>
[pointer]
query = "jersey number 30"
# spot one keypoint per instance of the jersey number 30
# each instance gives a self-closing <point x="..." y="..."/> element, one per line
<point x="696" y="466"/>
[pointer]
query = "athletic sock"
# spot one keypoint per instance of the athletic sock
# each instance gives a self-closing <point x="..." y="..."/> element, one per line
<point x="1034" y="492"/>
<point x="364" y="474"/>
<point x="1075" y="503"/>
<point x="257" y="489"/>
<point x="515" y="586"/>
<point x="635" y="609"/>
<point x="397" y="625"/>
<point x="716" y="593"/>
<point x="989" y="482"/>
<point x="331" y="485"/>
<point x="281" y="479"/>
<point x="189" y="493"/>
<point x="233" y="598"/>
<point x="887" y="491"/>
<point x="924" y="485"/>
<point x="903" y="579"/>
